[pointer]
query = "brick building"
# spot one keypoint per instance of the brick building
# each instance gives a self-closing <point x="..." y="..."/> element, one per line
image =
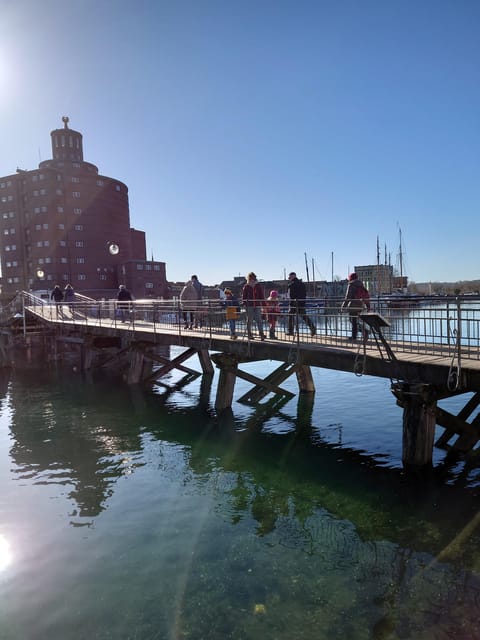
<point x="64" y="223"/>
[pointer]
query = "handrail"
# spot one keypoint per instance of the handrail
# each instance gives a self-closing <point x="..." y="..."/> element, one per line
<point x="424" y="327"/>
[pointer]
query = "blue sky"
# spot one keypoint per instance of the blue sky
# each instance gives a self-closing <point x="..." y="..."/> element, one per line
<point x="253" y="133"/>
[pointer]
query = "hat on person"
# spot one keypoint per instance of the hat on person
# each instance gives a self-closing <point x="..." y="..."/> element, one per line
<point x="227" y="292"/>
<point x="122" y="286"/>
<point x="273" y="294"/>
<point x="292" y="273"/>
<point x="352" y="276"/>
<point x="252" y="275"/>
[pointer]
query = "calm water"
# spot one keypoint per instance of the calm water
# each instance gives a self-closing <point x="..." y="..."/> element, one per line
<point x="134" y="514"/>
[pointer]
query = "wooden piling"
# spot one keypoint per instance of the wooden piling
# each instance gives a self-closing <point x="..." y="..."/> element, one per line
<point x="228" y="366"/>
<point x="419" y="419"/>
<point x="135" y="370"/>
<point x="305" y="379"/>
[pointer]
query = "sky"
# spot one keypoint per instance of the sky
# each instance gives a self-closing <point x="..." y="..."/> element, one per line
<point x="265" y="135"/>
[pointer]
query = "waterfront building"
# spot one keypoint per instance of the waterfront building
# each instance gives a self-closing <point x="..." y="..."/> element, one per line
<point x="378" y="278"/>
<point x="65" y="223"/>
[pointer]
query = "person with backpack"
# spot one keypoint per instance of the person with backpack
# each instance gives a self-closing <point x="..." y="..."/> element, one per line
<point x="298" y="294"/>
<point x="356" y="300"/>
<point x="230" y="303"/>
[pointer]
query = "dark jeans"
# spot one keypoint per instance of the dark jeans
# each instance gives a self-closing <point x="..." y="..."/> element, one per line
<point x="300" y="311"/>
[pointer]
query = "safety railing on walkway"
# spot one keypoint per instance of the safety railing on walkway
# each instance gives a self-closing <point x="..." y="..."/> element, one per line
<point x="439" y="326"/>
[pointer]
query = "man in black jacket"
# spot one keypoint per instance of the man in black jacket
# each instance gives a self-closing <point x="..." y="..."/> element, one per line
<point x="298" y="293"/>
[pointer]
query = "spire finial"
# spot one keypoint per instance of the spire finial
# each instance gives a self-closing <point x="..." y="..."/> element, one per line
<point x="65" y="121"/>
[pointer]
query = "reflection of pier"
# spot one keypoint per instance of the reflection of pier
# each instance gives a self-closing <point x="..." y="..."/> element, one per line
<point x="423" y="367"/>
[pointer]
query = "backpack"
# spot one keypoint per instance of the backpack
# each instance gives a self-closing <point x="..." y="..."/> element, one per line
<point x="362" y="293"/>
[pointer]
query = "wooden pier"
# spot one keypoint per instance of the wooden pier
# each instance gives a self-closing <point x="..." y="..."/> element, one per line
<point x="419" y="377"/>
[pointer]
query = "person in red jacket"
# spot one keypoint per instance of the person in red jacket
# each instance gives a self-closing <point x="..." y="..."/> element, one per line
<point x="253" y="297"/>
<point x="272" y="312"/>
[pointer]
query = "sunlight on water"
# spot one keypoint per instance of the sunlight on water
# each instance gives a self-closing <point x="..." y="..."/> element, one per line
<point x="6" y="557"/>
<point x="140" y="514"/>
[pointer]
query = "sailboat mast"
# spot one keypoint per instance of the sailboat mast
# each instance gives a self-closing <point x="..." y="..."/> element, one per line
<point x="400" y="255"/>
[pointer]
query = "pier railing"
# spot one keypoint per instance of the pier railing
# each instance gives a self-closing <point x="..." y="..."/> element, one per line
<point x="431" y="325"/>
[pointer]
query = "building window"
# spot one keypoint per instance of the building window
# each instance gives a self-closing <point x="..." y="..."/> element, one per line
<point x="61" y="225"/>
<point x="156" y="267"/>
<point x="81" y="276"/>
<point x="76" y="194"/>
<point x="43" y="209"/>
<point x="78" y="227"/>
<point x="103" y="276"/>
<point x="39" y="243"/>
<point x="63" y="260"/>
<point x="60" y="209"/>
<point x="59" y="192"/>
<point x="75" y="179"/>
<point x="100" y="183"/>
<point x="77" y="211"/>
<point x="80" y="260"/>
<point x="117" y="187"/>
<point x="48" y="260"/>
<point x="36" y="210"/>
<point x="46" y="243"/>
<point x="148" y="285"/>
<point x="62" y="243"/>
<point x="38" y="227"/>
<point x="140" y="267"/>
<point x="45" y="225"/>
<point x="79" y="243"/>
<point x="34" y="178"/>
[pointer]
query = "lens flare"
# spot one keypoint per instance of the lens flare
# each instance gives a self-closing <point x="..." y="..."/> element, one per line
<point x="5" y="553"/>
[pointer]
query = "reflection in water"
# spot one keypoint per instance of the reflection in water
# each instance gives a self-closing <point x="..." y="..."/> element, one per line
<point x="245" y="527"/>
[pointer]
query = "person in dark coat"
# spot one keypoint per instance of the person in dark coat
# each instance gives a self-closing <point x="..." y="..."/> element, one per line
<point x="124" y="299"/>
<point x="57" y="296"/>
<point x="355" y="302"/>
<point x="69" y="297"/>
<point x="298" y="293"/>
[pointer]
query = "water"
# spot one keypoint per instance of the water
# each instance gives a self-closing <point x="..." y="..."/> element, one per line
<point x="135" y="514"/>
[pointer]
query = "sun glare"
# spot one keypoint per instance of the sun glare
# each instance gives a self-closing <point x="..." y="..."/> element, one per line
<point x="5" y="553"/>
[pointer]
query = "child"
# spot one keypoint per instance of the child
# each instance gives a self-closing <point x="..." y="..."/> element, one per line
<point x="272" y="311"/>
<point x="231" y="311"/>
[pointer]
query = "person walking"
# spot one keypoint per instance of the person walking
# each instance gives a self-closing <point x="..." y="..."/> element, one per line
<point x="356" y="299"/>
<point x="298" y="294"/>
<point x="69" y="297"/>
<point x="124" y="300"/>
<point x="189" y="302"/>
<point x="230" y="303"/>
<point x="57" y="296"/>
<point x="272" y="312"/>
<point x="253" y="297"/>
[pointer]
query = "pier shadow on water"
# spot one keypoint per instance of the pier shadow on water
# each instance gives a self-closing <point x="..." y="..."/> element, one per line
<point x="138" y="513"/>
